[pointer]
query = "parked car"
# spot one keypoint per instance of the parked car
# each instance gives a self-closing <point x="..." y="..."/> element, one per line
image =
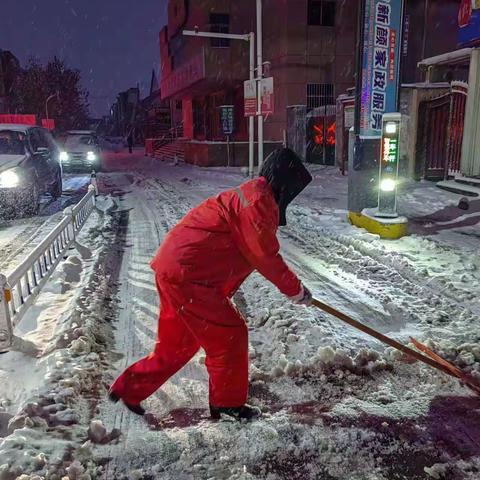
<point x="81" y="151"/>
<point x="29" y="167"/>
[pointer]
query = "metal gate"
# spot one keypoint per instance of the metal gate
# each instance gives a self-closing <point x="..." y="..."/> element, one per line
<point x="321" y="135"/>
<point x="458" y="101"/>
<point x="441" y="122"/>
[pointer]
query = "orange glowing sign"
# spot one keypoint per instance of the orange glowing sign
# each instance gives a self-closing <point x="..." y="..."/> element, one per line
<point x="319" y="137"/>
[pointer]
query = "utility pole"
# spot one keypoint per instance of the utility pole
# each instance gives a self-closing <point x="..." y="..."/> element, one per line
<point x="259" y="83"/>
<point x="249" y="37"/>
<point x="425" y="28"/>
<point x="251" y="119"/>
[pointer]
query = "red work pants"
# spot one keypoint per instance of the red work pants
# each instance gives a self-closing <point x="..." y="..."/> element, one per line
<point x="193" y="316"/>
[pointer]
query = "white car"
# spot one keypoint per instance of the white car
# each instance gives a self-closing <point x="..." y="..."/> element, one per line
<point x="29" y="167"/>
<point x="81" y="151"/>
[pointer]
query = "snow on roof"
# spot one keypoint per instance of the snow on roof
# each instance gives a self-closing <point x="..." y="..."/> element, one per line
<point x="449" y="58"/>
<point x="426" y="85"/>
<point x="16" y="127"/>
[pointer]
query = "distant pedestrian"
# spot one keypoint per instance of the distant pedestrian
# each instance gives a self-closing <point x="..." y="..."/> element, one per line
<point x="130" y="141"/>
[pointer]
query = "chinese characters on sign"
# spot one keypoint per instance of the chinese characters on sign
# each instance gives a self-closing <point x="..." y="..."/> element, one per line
<point x="265" y="87"/>
<point x="380" y="64"/>
<point x="266" y="91"/>
<point x="390" y="154"/>
<point x="469" y="23"/>
<point x="227" y="119"/>
<point x="250" y="97"/>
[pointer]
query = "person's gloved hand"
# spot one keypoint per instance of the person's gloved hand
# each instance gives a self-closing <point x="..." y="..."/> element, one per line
<point x="303" y="297"/>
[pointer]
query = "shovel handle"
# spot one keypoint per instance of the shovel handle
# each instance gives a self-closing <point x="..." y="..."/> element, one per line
<point x="383" y="338"/>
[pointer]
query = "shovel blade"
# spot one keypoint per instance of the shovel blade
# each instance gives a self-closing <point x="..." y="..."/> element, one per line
<point x="468" y="380"/>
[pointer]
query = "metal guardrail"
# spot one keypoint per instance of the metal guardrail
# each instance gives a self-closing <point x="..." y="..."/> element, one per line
<point x="19" y="289"/>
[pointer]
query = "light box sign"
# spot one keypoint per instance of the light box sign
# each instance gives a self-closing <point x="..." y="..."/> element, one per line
<point x="389" y="162"/>
<point x="469" y="23"/>
<point x="381" y="61"/>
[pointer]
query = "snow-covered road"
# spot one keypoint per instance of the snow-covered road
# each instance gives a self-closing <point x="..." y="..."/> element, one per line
<point x="19" y="236"/>
<point x="337" y="404"/>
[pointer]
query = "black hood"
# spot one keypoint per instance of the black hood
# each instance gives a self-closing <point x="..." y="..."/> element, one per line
<point x="287" y="176"/>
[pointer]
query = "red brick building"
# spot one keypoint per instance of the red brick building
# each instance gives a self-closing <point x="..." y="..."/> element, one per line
<point x="311" y="47"/>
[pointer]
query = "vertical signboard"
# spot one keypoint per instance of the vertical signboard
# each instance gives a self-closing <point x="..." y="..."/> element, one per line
<point x="227" y="119"/>
<point x="250" y="97"/>
<point x="380" y="65"/>
<point x="469" y="23"/>
<point x="390" y="153"/>
<point x="406" y="33"/>
<point x="266" y="92"/>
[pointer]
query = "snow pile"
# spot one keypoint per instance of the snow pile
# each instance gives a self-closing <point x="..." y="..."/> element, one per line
<point x="293" y="341"/>
<point x="51" y="435"/>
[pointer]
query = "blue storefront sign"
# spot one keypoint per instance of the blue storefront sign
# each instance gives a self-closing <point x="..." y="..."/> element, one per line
<point x="469" y="23"/>
<point x="381" y="61"/>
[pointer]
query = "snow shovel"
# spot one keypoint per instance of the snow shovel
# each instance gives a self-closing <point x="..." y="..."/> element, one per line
<point x="431" y="358"/>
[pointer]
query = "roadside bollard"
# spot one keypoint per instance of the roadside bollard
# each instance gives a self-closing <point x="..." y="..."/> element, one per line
<point x="93" y="181"/>
<point x="6" y="333"/>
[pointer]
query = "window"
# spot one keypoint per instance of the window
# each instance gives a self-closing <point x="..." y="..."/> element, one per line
<point x="37" y="140"/>
<point x="220" y="23"/>
<point x="319" y="95"/>
<point x="52" y="146"/>
<point x="321" y="13"/>
<point x="12" y="143"/>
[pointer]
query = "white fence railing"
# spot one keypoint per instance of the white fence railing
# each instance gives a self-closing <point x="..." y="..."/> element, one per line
<point x="19" y="288"/>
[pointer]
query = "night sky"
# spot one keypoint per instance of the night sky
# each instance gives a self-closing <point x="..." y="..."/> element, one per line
<point x="114" y="43"/>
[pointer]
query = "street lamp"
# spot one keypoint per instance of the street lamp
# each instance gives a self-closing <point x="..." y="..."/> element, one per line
<point x="249" y="37"/>
<point x="57" y="94"/>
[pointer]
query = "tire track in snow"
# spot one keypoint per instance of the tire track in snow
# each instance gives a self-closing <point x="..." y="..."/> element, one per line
<point x="155" y="207"/>
<point x="401" y="292"/>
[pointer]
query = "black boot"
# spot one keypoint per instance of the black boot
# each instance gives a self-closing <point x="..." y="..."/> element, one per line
<point x="138" y="409"/>
<point x="245" y="412"/>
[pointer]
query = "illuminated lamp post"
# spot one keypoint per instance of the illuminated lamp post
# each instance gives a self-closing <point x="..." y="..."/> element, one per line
<point x="389" y="161"/>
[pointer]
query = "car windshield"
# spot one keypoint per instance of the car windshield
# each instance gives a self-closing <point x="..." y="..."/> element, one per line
<point x="12" y="143"/>
<point x="79" y="140"/>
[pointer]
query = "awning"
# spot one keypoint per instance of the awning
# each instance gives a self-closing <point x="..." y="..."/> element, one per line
<point x="457" y="57"/>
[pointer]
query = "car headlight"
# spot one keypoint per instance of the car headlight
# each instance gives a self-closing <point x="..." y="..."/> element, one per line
<point x="91" y="157"/>
<point x="387" y="185"/>
<point x="64" y="157"/>
<point x="9" y="179"/>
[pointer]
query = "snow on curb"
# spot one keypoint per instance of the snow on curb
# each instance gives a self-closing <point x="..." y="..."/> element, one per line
<point x="51" y="435"/>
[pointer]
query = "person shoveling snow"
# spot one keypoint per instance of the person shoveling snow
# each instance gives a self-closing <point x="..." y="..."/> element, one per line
<point x="200" y="265"/>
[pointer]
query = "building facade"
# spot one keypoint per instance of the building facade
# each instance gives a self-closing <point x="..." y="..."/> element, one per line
<point x="309" y="46"/>
<point x="430" y="29"/>
<point x="9" y="68"/>
<point x="124" y="111"/>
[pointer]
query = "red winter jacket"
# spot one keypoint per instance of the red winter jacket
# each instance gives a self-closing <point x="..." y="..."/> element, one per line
<point x="224" y="239"/>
